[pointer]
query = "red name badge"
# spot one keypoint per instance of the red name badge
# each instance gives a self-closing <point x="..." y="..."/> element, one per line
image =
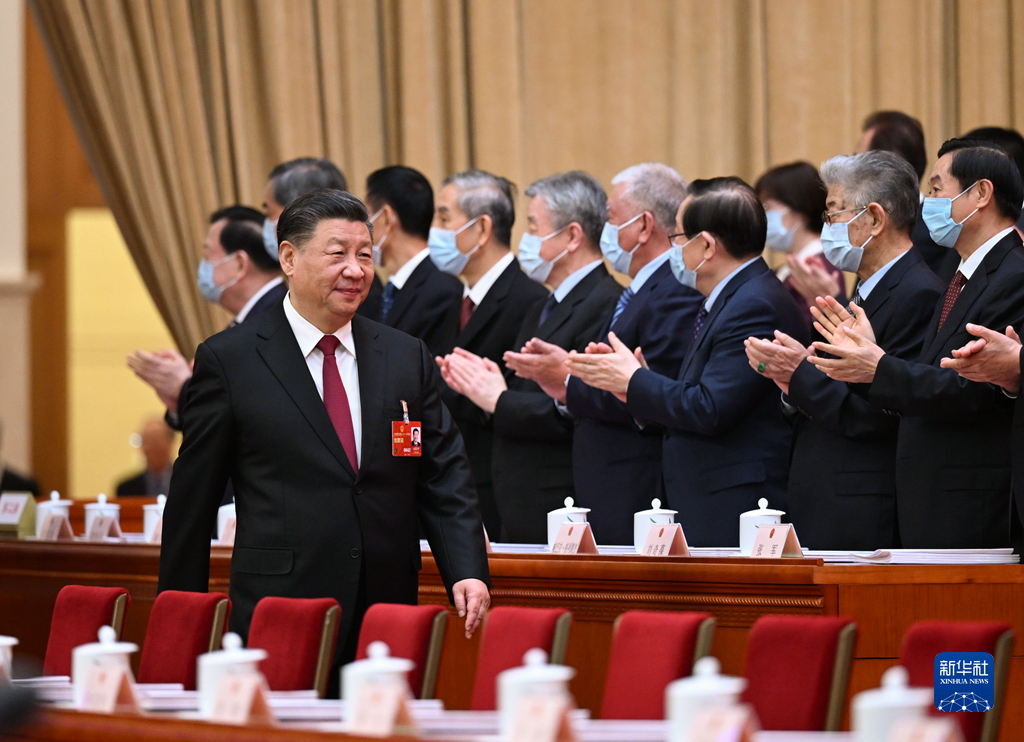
<point x="406" y="438"/>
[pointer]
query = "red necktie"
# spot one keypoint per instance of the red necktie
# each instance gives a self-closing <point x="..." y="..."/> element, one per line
<point x="336" y="400"/>
<point x="467" y="311"/>
<point x="955" y="287"/>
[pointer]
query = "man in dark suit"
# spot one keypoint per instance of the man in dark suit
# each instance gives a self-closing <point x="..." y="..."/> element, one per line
<point x="235" y="272"/>
<point x="842" y="479"/>
<point x="419" y="299"/>
<point x="12" y="481"/>
<point x="296" y="408"/>
<point x="616" y="467"/>
<point x="470" y="238"/>
<point x="532" y="458"/>
<point x="157" y="444"/>
<point x="727" y="444"/>
<point x="953" y="454"/>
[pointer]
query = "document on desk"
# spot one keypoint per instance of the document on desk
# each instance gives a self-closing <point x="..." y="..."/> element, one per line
<point x="938" y="556"/>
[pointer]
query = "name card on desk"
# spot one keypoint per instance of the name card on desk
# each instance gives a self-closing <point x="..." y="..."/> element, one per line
<point x="55" y="527"/>
<point x="775" y="542"/>
<point x="17" y="514"/>
<point x="241" y="699"/>
<point x="103" y="527"/>
<point x="108" y="688"/>
<point x="665" y="539"/>
<point x="380" y="710"/>
<point x="574" y="538"/>
<point x="925" y="730"/>
<point x="227" y="536"/>
<point x="724" y="724"/>
<point x="158" y="531"/>
<point x="543" y="719"/>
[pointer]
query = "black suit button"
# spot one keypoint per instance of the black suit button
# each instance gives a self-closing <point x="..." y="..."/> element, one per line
<point x="354" y="553"/>
<point x="358" y="490"/>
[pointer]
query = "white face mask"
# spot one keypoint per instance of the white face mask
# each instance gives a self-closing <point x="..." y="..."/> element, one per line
<point x="445" y="252"/>
<point x="683" y="274"/>
<point x="529" y="255"/>
<point x="778" y="237"/>
<point x="378" y="257"/>
<point x="835" y="241"/>
<point x="612" y="250"/>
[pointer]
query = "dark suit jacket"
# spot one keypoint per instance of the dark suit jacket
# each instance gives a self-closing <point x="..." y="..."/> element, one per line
<point x="727" y="443"/>
<point x="265" y="302"/>
<point x="370" y="308"/>
<point x="427" y="307"/>
<point x="943" y="261"/>
<point x="532" y="460"/>
<point x="953" y="455"/>
<point x="307" y="526"/>
<point x="617" y="468"/>
<point x="489" y="333"/>
<point x="842" y="479"/>
<point x="11" y="481"/>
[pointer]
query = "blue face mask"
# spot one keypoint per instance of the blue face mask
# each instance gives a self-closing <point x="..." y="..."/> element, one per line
<point x="937" y="216"/>
<point x="612" y="250"/>
<point x="835" y="240"/>
<point x="778" y="238"/>
<point x="270" y="239"/>
<point x="445" y="252"/>
<point x="378" y="256"/>
<point x="683" y="274"/>
<point x="207" y="286"/>
<point x="529" y="256"/>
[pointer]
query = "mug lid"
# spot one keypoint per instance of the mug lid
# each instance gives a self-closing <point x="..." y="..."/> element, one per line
<point x="895" y="692"/>
<point x="107" y="644"/>
<point x="569" y="508"/>
<point x="535" y="669"/>
<point x="233" y="653"/>
<point x="379" y="660"/>
<point x="763" y="509"/>
<point x="706" y="680"/>
<point x="102" y="504"/>
<point x="656" y="509"/>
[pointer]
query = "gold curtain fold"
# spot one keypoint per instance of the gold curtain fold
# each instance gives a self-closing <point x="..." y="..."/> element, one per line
<point x="184" y="105"/>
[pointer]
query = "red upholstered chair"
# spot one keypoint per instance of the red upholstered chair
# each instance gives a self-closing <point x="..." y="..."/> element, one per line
<point x="181" y="627"/>
<point x="415" y="632"/>
<point x="798" y="668"/>
<point x="508" y="633"/>
<point x="78" y="614"/>
<point x="925" y="639"/>
<point x="650" y="649"/>
<point x="299" y="635"/>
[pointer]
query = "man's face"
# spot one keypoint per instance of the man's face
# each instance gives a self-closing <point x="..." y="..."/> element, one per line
<point x="538" y="222"/>
<point x="331" y="274"/>
<point x="859" y="229"/>
<point x="270" y="206"/>
<point x="942" y="184"/>
<point x="621" y="211"/>
<point x="448" y="215"/>
<point x="214" y="251"/>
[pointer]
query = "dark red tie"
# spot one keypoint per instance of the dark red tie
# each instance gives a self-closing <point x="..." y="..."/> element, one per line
<point x="955" y="287"/>
<point x="467" y="311"/>
<point x="336" y="400"/>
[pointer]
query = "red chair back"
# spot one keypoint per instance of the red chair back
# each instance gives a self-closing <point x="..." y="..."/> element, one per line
<point x="407" y="630"/>
<point x="925" y="639"/>
<point x="650" y="649"/>
<point x="507" y="635"/>
<point x="299" y="639"/>
<point x="78" y="614"/>
<point x="791" y="671"/>
<point x="181" y="627"/>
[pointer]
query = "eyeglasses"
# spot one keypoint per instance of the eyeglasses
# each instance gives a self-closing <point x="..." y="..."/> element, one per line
<point x="828" y="216"/>
<point x="672" y="239"/>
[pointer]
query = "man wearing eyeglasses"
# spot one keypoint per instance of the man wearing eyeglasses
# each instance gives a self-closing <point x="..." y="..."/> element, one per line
<point x="953" y="452"/>
<point x="872" y="207"/>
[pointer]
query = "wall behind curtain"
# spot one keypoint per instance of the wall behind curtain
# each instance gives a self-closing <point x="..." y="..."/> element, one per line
<point x="184" y="107"/>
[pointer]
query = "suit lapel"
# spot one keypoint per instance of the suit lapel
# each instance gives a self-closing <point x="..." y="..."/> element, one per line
<point x="371" y="359"/>
<point x="563" y="311"/>
<point x="404" y="296"/>
<point x="278" y="348"/>
<point x="880" y="294"/>
<point x="490" y="306"/>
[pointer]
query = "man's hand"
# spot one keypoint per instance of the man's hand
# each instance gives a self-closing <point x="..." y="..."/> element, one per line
<point x="542" y="363"/>
<point x="831" y="315"/>
<point x="856" y="357"/>
<point x="166" y="371"/>
<point x="479" y="379"/>
<point x="776" y="359"/>
<point x="992" y="358"/>
<point x="608" y="368"/>
<point x="811" y="278"/>
<point x="472" y="601"/>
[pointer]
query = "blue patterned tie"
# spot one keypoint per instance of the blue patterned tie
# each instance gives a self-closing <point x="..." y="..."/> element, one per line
<point x="549" y="306"/>
<point x="623" y="301"/>
<point x="699" y="323"/>
<point x="386" y="300"/>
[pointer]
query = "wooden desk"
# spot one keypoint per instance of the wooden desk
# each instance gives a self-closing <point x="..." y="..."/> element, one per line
<point x="884" y="600"/>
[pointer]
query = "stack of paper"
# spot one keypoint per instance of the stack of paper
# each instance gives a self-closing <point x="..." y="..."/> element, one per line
<point x="939" y="556"/>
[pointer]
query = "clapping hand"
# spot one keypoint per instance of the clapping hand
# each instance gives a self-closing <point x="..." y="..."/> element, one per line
<point x="776" y="359"/>
<point x="993" y="358"/>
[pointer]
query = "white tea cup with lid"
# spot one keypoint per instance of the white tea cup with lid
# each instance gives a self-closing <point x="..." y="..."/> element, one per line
<point x="101" y="507"/>
<point x="107" y="652"/>
<point x="212" y="666"/>
<point x="54" y="505"/>
<point x="151" y="514"/>
<point x="706" y="687"/>
<point x="534" y="677"/>
<point x="874" y="713"/>
<point x="569" y="514"/>
<point x="751" y="520"/>
<point x="644" y="519"/>
<point x="224" y="513"/>
<point x="378" y="667"/>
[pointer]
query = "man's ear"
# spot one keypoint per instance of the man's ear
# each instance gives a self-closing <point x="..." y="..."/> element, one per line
<point x="575" y="237"/>
<point x="288" y="254"/>
<point x="986" y="192"/>
<point x="710" y="245"/>
<point x="486" y="225"/>
<point x="878" y="218"/>
<point x="646" y="228"/>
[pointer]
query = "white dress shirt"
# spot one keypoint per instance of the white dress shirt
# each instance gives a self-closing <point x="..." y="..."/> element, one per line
<point x="573" y="279"/>
<point x="481" y="287"/>
<point x="864" y="287"/>
<point x="967" y="267"/>
<point x="403" y="273"/>
<point x="647" y="271"/>
<point x="308" y="336"/>
<point x="718" y="289"/>
<point x="240" y="317"/>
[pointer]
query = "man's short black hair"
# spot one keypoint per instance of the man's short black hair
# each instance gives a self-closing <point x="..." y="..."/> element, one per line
<point x="730" y="210"/>
<point x="300" y="218"/>
<point x="975" y="159"/>
<point x="406" y="191"/>
<point x="244" y="231"/>
<point x="799" y="187"/>
<point x="897" y="132"/>
<point x="293" y="178"/>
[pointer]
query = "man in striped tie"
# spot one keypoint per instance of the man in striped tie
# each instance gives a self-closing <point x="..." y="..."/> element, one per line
<point x="953" y="454"/>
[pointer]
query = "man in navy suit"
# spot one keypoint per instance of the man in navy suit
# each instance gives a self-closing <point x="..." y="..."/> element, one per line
<point x="727" y="443"/>
<point x="237" y="273"/>
<point x="616" y="467"/>
<point x="842" y="480"/>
